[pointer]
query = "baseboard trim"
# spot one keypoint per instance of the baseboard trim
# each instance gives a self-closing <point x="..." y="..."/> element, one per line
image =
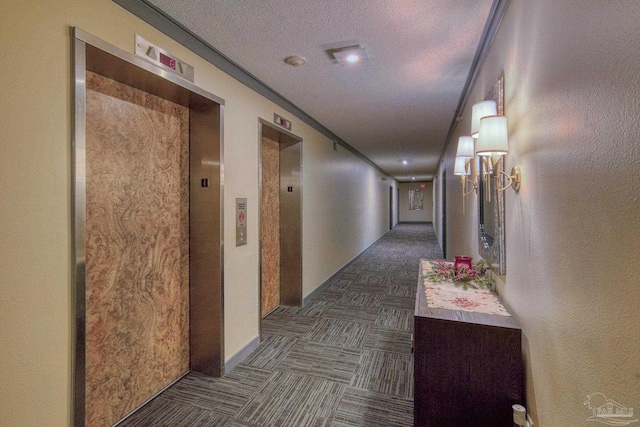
<point x="416" y="222"/>
<point x="306" y="300"/>
<point x="241" y="354"/>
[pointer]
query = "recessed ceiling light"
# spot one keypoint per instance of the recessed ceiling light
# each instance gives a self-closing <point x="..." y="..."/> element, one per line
<point x="348" y="55"/>
<point x="352" y="57"/>
<point x="405" y="162"/>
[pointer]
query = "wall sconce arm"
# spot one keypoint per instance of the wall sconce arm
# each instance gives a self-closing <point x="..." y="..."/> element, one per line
<point x="514" y="179"/>
<point x="465" y="181"/>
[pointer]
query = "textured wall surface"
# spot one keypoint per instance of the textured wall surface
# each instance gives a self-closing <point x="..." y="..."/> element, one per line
<point x="137" y="280"/>
<point x="345" y="209"/>
<point x="345" y="203"/>
<point x="573" y="230"/>
<point x="270" y="225"/>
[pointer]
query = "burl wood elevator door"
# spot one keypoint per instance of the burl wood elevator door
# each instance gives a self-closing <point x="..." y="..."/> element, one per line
<point x="148" y="235"/>
<point x="137" y="280"/>
<point x="280" y="219"/>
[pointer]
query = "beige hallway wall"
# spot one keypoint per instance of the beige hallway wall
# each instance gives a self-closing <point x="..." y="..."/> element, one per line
<point x="573" y="231"/>
<point x="345" y="203"/>
<point x="345" y="212"/>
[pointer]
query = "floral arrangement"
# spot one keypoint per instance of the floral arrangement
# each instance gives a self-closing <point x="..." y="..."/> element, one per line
<point x="475" y="277"/>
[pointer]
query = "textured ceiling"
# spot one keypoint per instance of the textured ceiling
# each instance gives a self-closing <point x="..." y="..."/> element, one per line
<point x="398" y="105"/>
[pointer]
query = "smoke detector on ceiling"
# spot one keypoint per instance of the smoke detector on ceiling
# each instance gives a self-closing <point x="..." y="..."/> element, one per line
<point x="295" y="61"/>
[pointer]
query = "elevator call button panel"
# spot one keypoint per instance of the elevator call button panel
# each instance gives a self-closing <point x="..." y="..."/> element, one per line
<point x="241" y="222"/>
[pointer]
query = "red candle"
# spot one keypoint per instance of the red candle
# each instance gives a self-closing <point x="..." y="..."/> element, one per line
<point x="462" y="262"/>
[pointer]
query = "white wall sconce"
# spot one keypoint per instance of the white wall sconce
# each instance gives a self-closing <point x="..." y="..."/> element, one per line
<point x="489" y="141"/>
<point x="462" y="167"/>
<point x="492" y="139"/>
<point x="478" y="111"/>
<point x="493" y="143"/>
<point x="466" y="147"/>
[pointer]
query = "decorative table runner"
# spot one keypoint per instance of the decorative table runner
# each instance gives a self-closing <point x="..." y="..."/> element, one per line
<point x="446" y="295"/>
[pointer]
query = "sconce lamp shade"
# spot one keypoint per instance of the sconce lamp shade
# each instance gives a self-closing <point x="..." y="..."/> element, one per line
<point x="460" y="167"/>
<point x="465" y="147"/>
<point x="494" y="138"/>
<point x="480" y="110"/>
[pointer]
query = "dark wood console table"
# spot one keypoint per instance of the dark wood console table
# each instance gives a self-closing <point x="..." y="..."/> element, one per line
<point x="467" y="367"/>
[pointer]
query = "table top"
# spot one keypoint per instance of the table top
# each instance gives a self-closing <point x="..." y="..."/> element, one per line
<point x="422" y="309"/>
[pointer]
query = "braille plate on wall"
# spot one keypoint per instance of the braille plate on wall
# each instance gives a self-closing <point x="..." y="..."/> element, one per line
<point x="241" y="222"/>
<point x="163" y="59"/>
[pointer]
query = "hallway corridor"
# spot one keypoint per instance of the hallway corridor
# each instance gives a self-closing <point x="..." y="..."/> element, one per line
<point x="344" y="359"/>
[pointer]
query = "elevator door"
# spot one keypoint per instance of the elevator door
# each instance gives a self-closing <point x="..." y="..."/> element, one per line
<point x="270" y="230"/>
<point x="280" y="220"/>
<point x="147" y="156"/>
<point x="137" y="283"/>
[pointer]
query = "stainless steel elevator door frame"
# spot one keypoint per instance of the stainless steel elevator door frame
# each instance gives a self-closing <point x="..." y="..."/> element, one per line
<point x="205" y="224"/>
<point x="290" y="220"/>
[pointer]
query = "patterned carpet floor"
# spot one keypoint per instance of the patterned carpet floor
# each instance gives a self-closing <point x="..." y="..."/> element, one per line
<point x="342" y="360"/>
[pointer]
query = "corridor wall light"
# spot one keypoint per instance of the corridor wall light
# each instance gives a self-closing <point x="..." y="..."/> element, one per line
<point x="466" y="146"/>
<point x="490" y="133"/>
<point x="489" y="141"/>
<point x="493" y="143"/>
<point x="462" y="167"/>
<point x="493" y="136"/>
<point x="478" y="111"/>
<point x="459" y="167"/>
